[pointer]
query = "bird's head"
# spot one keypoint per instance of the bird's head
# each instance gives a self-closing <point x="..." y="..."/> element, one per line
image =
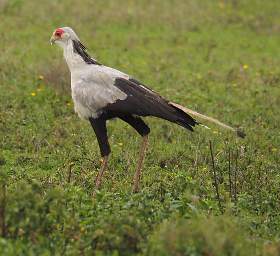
<point x="62" y="36"/>
<point x="66" y="36"/>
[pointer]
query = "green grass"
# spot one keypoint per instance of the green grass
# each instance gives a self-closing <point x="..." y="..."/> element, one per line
<point x="220" y="58"/>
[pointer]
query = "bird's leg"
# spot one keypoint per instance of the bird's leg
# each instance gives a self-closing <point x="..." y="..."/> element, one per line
<point x="138" y="124"/>
<point x="101" y="171"/>
<point x="99" y="127"/>
<point x="137" y="174"/>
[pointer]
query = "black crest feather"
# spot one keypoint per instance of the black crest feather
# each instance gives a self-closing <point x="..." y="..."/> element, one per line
<point x="80" y="49"/>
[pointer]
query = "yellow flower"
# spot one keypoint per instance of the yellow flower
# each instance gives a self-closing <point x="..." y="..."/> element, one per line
<point x="33" y="94"/>
<point x="245" y="66"/>
<point x="41" y="77"/>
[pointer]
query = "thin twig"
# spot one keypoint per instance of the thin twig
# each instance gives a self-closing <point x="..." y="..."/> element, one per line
<point x="229" y="173"/>
<point x="196" y="157"/>
<point x="215" y="177"/>
<point x="235" y="176"/>
<point x="70" y="172"/>
<point x="3" y="211"/>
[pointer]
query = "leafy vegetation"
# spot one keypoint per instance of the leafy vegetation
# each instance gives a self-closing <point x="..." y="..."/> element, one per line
<point x="220" y="58"/>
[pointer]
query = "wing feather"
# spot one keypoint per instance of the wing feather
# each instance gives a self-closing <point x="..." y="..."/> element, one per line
<point x="143" y="101"/>
<point x="93" y="89"/>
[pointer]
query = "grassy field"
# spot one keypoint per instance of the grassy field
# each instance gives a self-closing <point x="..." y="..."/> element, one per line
<point x="220" y="58"/>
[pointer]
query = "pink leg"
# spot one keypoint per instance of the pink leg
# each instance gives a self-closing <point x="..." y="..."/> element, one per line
<point x="101" y="172"/>
<point x="137" y="174"/>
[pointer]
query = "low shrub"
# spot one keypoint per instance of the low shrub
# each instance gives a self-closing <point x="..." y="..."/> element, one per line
<point x="215" y="235"/>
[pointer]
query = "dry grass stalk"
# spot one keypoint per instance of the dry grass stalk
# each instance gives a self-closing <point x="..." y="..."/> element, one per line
<point x="215" y="177"/>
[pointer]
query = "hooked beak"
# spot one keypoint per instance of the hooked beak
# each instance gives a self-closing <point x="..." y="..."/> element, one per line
<point x="53" y="39"/>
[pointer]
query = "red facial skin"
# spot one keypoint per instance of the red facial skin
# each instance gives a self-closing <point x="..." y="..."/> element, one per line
<point x="59" y="32"/>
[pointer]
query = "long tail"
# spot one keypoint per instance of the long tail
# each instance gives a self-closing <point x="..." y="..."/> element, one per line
<point x="239" y="132"/>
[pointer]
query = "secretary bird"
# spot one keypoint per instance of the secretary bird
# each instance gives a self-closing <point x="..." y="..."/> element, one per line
<point x="101" y="93"/>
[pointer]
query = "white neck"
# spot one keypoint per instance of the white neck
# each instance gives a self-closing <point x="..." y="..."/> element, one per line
<point x="73" y="59"/>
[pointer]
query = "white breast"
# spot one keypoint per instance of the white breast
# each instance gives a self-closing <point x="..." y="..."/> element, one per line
<point x="93" y="88"/>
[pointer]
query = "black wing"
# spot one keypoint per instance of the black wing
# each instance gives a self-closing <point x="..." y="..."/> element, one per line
<point x="142" y="101"/>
